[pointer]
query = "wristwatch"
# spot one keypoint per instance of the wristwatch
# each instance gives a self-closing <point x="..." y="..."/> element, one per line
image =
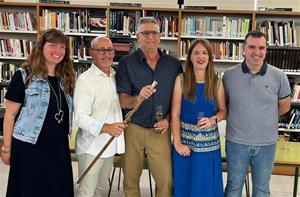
<point x="5" y="150"/>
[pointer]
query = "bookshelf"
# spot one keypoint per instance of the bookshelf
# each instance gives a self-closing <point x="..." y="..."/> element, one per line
<point x="224" y="28"/>
<point x="168" y="20"/>
<point x="289" y="124"/>
<point x="17" y="29"/>
<point x="80" y="23"/>
<point x="281" y="28"/>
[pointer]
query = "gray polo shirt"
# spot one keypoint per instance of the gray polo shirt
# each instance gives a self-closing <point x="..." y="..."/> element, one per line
<point x="134" y="73"/>
<point x="253" y="104"/>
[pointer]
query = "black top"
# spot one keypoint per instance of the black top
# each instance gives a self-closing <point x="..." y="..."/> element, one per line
<point x="41" y="169"/>
<point x="134" y="73"/>
<point x="16" y="92"/>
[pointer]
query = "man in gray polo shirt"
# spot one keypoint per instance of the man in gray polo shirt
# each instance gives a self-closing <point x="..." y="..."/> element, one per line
<point x="257" y="93"/>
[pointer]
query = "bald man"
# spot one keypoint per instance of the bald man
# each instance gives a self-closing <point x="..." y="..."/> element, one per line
<point x="98" y="115"/>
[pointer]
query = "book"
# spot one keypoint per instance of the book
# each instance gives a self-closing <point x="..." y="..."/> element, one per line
<point x="296" y="93"/>
<point x="97" y="21"/>
<point x="274" y="9"/>
<point x="55" y="1"/>
<point x="293" y="114"/>
<point x="191" y="7"/>
<point x="125" y="4"/>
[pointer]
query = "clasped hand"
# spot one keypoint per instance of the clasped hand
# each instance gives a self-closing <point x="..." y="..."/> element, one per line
<point x="161" y="126"/>
<point x="205" y="122"/>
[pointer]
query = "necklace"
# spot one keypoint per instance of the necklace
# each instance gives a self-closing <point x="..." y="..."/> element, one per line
<point x="60" y="114"/>
<point x="200" y="81"/>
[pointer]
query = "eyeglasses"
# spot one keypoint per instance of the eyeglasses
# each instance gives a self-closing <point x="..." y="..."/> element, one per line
<point x="148" y="33"/>
<point x="102" y="51"/>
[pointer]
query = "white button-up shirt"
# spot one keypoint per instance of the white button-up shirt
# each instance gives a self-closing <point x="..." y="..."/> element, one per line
<point x="96" y="102"/>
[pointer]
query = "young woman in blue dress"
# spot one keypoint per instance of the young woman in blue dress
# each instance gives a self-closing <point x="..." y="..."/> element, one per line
<point x="198" y="104"/>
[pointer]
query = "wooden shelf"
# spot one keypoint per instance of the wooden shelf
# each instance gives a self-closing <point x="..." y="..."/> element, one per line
<point x="218" y="60"/>
<point x="213" y="37"/>
<point x="289" y="130"/>
<point x="18" y="31"/>
<point x="86" y="34"/>
<point x="296" y="73"/>
<point x="12" y="58"/>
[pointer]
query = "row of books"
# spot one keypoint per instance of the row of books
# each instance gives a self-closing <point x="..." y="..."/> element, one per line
<point x="287" y="59"/>
<point x="223" y="50"/>
<point x="79" y="21"/>
<point x="15" y="47"/>
<point x="168" y="22"/>
<point x="122" y="49"/>
<point x="290" y="120"/>
<point x="20" y="21"/>
<point x="124" y="22"/>
<point x="7" y="71"/>
<point x="79" y="47"/>
<point x="279" y="33"/>
<point x="55" y="1"/>
<point x="168" y="26"/>
<point x="215" y="26"/>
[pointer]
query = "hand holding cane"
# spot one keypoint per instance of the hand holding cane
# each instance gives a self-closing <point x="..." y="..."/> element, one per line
<point x="127" y="119"/>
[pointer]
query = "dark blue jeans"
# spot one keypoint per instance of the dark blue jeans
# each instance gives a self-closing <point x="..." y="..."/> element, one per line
<point x="239" y="157"/>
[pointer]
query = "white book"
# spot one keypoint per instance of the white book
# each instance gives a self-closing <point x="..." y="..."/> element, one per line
<point x="281" y="36"/>
<point x="11" y="21"/>
<point x="17" y="48"/>
<point x="166" y="30"/>
<point x="234" y="28"/>
<point x="296" y="93"/>
<point x="291" y="121"/>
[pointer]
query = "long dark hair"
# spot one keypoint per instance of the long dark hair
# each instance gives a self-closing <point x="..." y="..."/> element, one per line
<point x="211" y="78"/>
<point x="36" y="62"/>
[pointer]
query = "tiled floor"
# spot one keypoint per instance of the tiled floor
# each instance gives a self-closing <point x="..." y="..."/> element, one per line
<point x="281" y="186"/>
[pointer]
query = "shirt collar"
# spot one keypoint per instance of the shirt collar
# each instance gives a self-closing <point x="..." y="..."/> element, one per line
<point x="100" y="72"/>
<point x="142" y="57"/>
<point x="262" y="71"/>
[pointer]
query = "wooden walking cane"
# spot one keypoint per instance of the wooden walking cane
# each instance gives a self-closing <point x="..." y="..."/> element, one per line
<point x="127" y="119"/>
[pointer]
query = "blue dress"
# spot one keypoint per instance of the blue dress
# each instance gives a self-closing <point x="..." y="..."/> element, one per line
<point x="200" y="174"/>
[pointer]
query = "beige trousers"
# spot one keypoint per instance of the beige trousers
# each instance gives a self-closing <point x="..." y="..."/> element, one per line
<point x="95" y="183"/>
<point x="139" y="140"/>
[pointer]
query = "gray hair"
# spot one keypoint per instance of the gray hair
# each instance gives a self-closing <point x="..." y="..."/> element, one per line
<point x="147" y="20"/>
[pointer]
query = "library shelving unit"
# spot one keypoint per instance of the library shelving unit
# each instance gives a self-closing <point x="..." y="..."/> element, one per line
<point x="18" y="30"/>
<point x="168" y="20"/>
<point x="21" y="23"/>
<point x="123" y="23"/>
<point x="281" y="28"/>
<point x="80" y="23"/>
<point x="223" y="28"/>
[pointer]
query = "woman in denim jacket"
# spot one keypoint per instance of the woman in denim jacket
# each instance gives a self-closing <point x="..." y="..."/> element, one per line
<point x="37" y="121"/>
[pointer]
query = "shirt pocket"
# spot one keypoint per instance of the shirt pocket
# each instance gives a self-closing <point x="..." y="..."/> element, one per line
<point x="32" y="96"/>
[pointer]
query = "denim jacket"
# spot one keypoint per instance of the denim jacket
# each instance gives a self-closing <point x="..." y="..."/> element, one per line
<point x="33" y="112"/>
